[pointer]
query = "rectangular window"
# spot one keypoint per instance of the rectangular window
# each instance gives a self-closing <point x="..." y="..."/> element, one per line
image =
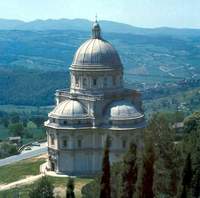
<point x="52" y="139"/>
<point x="124" y="144"/>
<point x="77" y="81"/>
<point x="114" y="80"/>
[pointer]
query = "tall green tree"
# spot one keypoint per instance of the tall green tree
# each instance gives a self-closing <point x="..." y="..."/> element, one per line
<point x="186" y="177"/>
<point x="105" y="186"/>
<point x="167" y="164"/>
<point x="196" y="172"/>
<point x="148" y="167"/>
<point x="129" y="172"/>
<point x="43" y="189"/>
<point x="196" y="184"/>
<point x="70" y="188"/>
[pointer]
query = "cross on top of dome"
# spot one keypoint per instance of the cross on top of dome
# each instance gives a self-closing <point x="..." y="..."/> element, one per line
<point x="96" y="30"/>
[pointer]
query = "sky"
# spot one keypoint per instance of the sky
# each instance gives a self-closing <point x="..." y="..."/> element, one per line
<point x="141" y="13"/>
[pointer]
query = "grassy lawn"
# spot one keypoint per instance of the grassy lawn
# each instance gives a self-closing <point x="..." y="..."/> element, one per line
<point x="59" y="184"/>
<point x="20" y="170"/>
<point x="22" y="192"/>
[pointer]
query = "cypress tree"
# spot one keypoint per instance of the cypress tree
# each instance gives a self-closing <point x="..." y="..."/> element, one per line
<point x="196" y="185"/>
<point x="184" y="192"/>
<point x="196" y="172"/>
<point x="105" y="187"/>
<point x="70" y="188"/>
<point x="129" y="172"/>
<point x="148" y="169"/>
<point x="168" y="158"/>
<point x="186" y="176"/>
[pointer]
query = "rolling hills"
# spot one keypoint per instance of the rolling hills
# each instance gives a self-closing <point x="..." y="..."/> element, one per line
<point x="35" y="56"/>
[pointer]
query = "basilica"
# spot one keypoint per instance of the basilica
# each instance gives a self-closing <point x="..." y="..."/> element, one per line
<point x="96" y="105"/>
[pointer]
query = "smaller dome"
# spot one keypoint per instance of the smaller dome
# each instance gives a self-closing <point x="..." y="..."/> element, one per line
<point x="69" y="108"/>
<point x="123" y="110"/>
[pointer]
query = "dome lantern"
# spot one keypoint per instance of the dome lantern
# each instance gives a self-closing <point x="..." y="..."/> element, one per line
<point x="96" y="31"/>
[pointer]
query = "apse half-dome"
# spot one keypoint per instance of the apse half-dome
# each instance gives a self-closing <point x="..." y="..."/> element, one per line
<point x="123" y="109"/>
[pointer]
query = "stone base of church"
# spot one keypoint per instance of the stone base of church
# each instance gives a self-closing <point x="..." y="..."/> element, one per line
<point x="87" y="160"/>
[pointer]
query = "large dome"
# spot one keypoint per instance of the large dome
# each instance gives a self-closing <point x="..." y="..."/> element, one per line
<point x="69" y="108"/>
<point x="96" y="52"/>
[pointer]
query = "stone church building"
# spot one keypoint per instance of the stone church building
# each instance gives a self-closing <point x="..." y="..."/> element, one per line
<point x="96" y="105"/>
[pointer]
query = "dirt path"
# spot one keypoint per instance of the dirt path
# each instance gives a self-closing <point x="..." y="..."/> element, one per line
<point x="28" y="180"/>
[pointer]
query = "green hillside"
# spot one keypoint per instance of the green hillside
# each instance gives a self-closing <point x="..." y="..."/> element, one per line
<point x="168" y="56"/>
<point x="30" y="87"/>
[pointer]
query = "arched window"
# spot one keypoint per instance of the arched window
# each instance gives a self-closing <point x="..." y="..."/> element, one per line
<point x="65" y="122"/>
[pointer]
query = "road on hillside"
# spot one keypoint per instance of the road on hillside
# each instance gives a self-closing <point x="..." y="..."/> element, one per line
<point x="36" y="151"/>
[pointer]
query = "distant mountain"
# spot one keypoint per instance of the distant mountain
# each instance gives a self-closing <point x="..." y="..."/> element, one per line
<point x="85" y="25"/>
<point x="10" y="24"/>
<point x="142" y="55"/>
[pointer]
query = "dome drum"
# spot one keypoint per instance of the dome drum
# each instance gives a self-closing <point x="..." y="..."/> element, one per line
<point x="67" y="123"/>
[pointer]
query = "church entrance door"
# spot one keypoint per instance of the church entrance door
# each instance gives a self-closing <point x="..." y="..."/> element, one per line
<point x="52" y="166"/>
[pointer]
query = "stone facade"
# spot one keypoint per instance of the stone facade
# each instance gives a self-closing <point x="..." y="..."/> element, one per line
<point x="95" y="106"/>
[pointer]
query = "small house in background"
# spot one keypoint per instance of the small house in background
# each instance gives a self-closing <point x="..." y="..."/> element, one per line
<point x="15" y="140"/>
<point x="179" y="128"/>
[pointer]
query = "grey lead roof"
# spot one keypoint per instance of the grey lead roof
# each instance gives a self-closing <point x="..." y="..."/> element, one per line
<point x="97" y="51"/>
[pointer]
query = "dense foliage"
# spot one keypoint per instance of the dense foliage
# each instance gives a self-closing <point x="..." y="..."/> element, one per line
<point x="129" y="172"/>
<point x="7" y="150"/>
<point x="168" y="169"/>
<point x="30" y="87"/>
<point x="43" y="189"/>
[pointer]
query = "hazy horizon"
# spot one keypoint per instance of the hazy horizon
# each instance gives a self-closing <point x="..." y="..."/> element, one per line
<point x="143" y="13"/>
<point x="12" y="19"/>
